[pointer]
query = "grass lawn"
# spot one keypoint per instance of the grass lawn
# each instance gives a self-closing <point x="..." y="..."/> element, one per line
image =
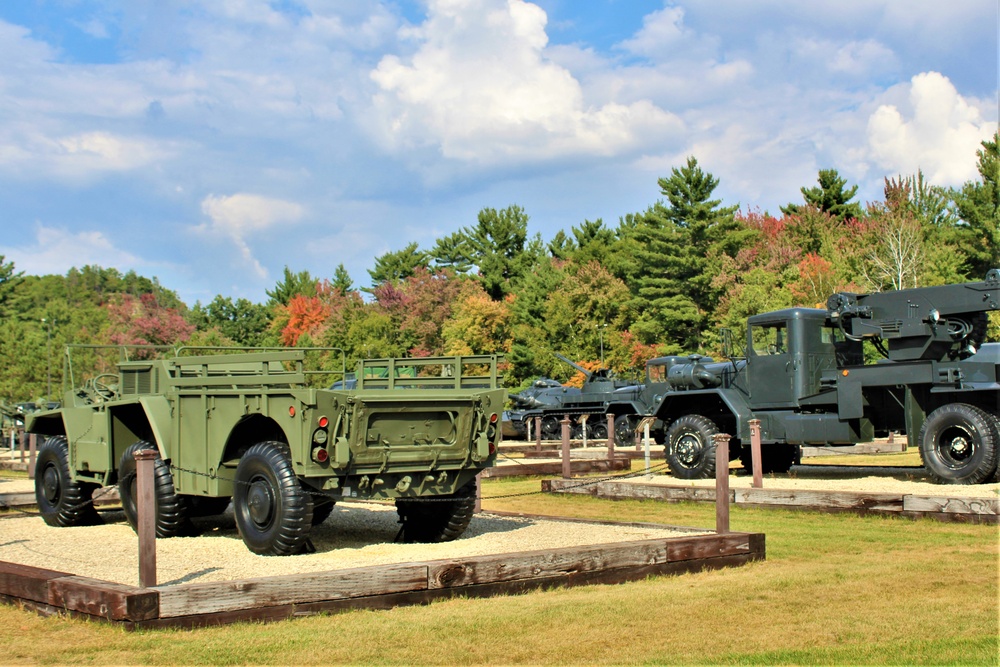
<point x="835" y="589"/>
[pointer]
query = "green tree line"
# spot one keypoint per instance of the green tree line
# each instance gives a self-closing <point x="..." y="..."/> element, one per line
<point x="664" y="280"/>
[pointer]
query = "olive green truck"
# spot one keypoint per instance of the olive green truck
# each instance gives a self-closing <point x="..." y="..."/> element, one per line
<point x="247" y="428"/>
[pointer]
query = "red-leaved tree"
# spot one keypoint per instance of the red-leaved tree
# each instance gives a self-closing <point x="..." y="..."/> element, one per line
<point x="143" y="321"/>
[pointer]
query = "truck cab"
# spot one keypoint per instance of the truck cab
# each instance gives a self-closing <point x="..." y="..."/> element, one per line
<point x="787" y="353"/>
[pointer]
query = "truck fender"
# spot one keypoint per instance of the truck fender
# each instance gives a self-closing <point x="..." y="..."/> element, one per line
<point x="710" y="403"/>
<point x="157" y="409"/>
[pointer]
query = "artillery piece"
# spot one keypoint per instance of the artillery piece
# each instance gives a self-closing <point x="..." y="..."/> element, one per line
<point x="946" y="322"/>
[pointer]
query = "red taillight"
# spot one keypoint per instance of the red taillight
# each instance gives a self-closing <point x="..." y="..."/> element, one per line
<point x="320" y="455"/>
<point x="493" y="418"/>
<point x="291" y="410"/>
<point x="323" y="422"/>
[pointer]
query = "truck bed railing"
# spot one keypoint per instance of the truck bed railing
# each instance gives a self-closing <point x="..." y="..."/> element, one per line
<point x="286" y="354"/>
<point x="461" y="372"/>
<point x="192" y="370"/>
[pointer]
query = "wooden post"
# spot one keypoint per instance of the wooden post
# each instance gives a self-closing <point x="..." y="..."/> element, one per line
<point x="32" y="442"/>
<point x="721" y="482"/>
<point x="611" y="436"/>
<point x="146" y="509"/>
<point x="566" y="468"/>
<point x="20" y="442"/>
<point x="538" y="434"/>
<point x="758" y="477"/>
<point x="582" y="421"/>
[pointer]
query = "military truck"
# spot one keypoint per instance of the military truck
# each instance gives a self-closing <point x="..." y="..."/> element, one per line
<point x="803" y="375"/>
<point x="248" y="428"/>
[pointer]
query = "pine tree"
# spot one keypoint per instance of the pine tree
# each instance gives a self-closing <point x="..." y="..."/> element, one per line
<point x="341" y="282"/>
<point x="978" y="205"/>
<point x="680" y="246"/>
<point x="290" y="285"/>
<point x="830" y="197"/>
<point x="398" y="265"/>
<point x="9" y="280"/>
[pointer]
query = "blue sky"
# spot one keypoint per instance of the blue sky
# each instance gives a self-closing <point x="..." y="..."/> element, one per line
<point x="210" y="143"/>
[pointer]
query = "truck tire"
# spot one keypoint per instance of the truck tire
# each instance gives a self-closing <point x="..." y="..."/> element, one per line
<point x="440" y="519"/>
<point x="61" y="501"/>
<point x="996" y="439"/>
<point x="624" y="431"/>
<point x="690" y="448"/>
<point x="172" y="510"/>
<point x="958" y="444"/>
<point x="273" y="512"/>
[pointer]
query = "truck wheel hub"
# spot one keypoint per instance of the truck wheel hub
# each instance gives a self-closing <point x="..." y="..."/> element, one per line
<point x="50" y="484"/>
<point x="959" y="446"/>
<point x="688" y="447"/>
<point x="260" y="502"/>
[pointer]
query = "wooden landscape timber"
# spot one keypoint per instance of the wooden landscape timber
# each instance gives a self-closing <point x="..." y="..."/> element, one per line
<point x="876" y="447"/>
<point x="941" y="508"/>
<point x="374" y="587"/>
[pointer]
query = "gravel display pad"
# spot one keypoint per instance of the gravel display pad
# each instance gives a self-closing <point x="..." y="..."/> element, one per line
<point x="912" y="481"/>
<point x="355" y="535"/>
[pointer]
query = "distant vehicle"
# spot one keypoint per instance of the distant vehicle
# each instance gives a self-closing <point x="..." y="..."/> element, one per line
<point x="602" y="393"/>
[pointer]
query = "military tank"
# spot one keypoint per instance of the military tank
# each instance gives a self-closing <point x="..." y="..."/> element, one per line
<point x="602" y="392"/>
<point x="541" y="394"/>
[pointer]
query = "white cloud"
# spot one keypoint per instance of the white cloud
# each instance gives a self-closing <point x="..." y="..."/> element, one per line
<point x="937" y="131"/>
<point x="240" y="215"/>
<point x="56" y="251"/>
<point x="26" y="151"/>
<point x="103" y="151"/>
<point x="664" y="36"/>
<point x="855" y="58"/>
<point x="481" y="88"/>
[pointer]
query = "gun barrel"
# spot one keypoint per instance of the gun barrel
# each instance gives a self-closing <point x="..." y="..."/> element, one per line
<point x="578" y="367"/>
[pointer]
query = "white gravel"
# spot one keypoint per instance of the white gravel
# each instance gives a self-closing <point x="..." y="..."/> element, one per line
<point x="355" y="535"/>
<point x="826" y="478"/>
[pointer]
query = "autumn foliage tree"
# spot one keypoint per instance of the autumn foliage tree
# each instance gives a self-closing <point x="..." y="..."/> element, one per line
<point x="478" y="325"/>
<point x="143" y="321"/>
<point x="306" y="315"/>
